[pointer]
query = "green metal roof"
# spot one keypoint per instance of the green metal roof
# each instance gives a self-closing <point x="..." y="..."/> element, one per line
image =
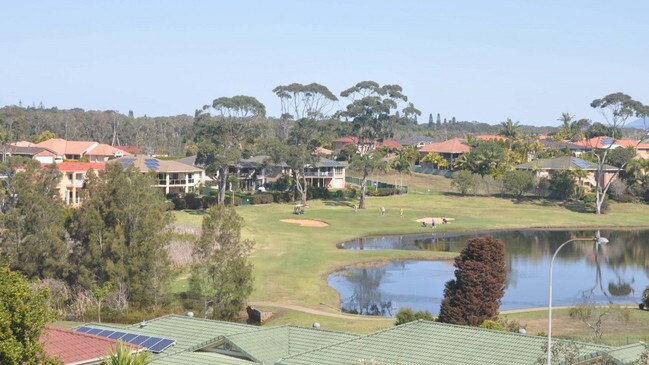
<point x="190" y="333"/>
<point x="269" y="345"/>
<point x="626" y="355"/>
<point x="199" y="358"/>
<point x="425" y="343"/>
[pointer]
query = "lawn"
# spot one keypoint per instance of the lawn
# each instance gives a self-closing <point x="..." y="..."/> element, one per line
<point x="292" y="262"/>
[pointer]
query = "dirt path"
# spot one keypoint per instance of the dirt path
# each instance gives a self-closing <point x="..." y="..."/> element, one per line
<point x="317" y="311"/>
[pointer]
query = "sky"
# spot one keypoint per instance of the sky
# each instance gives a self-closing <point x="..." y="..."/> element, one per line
<point x="475" y="60"/>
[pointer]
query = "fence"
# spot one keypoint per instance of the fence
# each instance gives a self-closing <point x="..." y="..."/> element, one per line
<point x="432" y="171"/>
<point x="374" y="184"/>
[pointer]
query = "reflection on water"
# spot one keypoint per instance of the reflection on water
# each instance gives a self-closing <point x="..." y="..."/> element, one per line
<point x="614" y="273"/>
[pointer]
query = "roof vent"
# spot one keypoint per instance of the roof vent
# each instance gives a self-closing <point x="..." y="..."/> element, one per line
<point x="522" y="331"/>
<point x="190" y="314"/>
<point x="316" y="325"/>
<point x="142" y="324"/>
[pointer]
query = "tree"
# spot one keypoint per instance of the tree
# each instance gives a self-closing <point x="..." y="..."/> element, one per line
<point x="121" y="234"/>
<point x="616" y="109"/>
<point x="486" y="158"/>
<point x="620" y="157"/>
<point x="431" y="123"/>
<point x="510" y="130"/>
<point x="371" y="110"/>
<point x="402" y="162"/>
<point x="44" y="136"/>
<point x="475" y="293"/>
<point x="438" y="121"/>
<point x="99" y="293"/>
<point x="23" y="315"/>
<point x="32" y="239"/>
<point x="125" y="355"/>
<point x="518" y="182"/>
<point x="563" y="185"/>
<point x="307" y="104"/>
<point x="595" y="317"/>
<point x="222" y="273"/>
<point x="224" y="137"/>
<point x="464" y="181"/>
<point x="565" y="352"/>
<point x="436" y="160"/>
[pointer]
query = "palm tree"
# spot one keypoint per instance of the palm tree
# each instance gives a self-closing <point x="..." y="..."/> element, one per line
<point x="510" y="130"/>
<point x="124" y="355"/>
<point x="401" y="163"/>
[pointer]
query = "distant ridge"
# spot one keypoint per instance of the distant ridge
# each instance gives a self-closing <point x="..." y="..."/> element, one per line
<point x="638" y="123"/>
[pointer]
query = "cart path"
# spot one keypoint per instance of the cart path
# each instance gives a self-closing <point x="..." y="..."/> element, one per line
<point x="317" y="311"/>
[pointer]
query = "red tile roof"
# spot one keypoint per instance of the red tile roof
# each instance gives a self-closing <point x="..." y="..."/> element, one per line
<point x="135" y="150"/>
<point x="80" y="166"/>
<point x="76" y="347"/>
<point x="106" y="150"/>
<point x="67" y="147"/>
<point x="599" y="142"/>
<point x="455" y="145"/>
<point x="391" y="143"/>
<point x="486" y="137"/>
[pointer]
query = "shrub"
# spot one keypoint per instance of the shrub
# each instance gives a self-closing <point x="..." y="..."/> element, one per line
<point x="645" y="297"/>
<point x="463" y="181"/>
<point x="193" y="202"/>
<point x="317" y="193"/>
<point x="179" y="203"/>
<point x="262" y="199"/>
<point x="281" y="197"/>
<point x="228" y="200"/>
<point x="563" y="185"/>
<point x="383" y="192"/>
<point x="339" y="194"/>
<point x="209" y="201"/>
<point x="492" y="325"/>
<point x="406" y="315"/>
<point x="518" y="182"/>
<point x="352" y="193"/>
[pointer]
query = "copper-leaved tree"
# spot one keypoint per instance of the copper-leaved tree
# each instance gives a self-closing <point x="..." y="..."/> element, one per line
<point x="474" y="295"/>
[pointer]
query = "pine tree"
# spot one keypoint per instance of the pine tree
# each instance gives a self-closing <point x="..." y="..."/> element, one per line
<point x="122" y="236"/>
<point x="439" y="119"/>
<point x="475" y="293"/>
<point x="222" y="273"/>
<point x="453" y="121"/>
<point x="445" y="122"/>
<point x="430" y="120"/>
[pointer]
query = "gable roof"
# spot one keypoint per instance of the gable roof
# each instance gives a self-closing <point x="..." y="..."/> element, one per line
<point x="562" y="163"/>
<point x="416" y="139"/>
<point x="102" y="149"/>
<point x="425" y="343"/>
<point x="628" y="354"/>
<point x="73" y="166"/>
<point x="190" y="333"/>
<point x="64" y="147"/>
<point x="486" y="137"/>
<point x="199" y="358"/>
<point x="73" y="347"/>
<point x="12" y="149"/>
<point x="391" y="143"/>
<point x="562" y="145"/>
<point x="605" y="142"/>
<point x="134" y="150"/>
<point x="145" y="163"/>
<point x="455" y="145"/>
<point x="269" y="345"/>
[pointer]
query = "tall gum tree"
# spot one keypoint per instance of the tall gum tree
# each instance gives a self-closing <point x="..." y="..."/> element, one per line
<point x="372" y="111"/>
<point x="306" y="105"/>
<point x="223" y="136"/>
<point x="616" y="109"/>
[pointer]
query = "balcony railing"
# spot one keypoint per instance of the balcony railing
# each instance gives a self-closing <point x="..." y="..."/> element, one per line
<point x="77" y="183"/>
<point x="319" y="174"/>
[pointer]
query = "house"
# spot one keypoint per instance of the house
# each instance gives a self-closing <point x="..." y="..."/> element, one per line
<point x="78" y="348"/>
<point x="642" y="149"/>
<point x="417" y="141"/>
<point x="324" y="152"/>
<point x="548" y="167"/>
<point x="76" y="150"/>
<point x="574" y="148"/>
<point x="175" y="340"/>
<point x="173" y="176"/>
<point x="73" y="179"/>
<point x="489" y="137"/>
<point x="343" y="141"/>
<point x="450" y="150"/>
<point x="326" y="173"/>
<point x="133" y="150"/>
<point x="40" y="154"/>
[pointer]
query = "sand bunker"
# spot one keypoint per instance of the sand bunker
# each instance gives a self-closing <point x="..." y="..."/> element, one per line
<point x="306" y="222"/>
<point x="438" y="220"/>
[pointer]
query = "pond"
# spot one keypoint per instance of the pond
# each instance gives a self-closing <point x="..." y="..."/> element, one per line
<point x="614" y="273"/>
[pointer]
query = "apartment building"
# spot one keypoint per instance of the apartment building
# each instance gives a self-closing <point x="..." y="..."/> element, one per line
<point x="172" y="176"/>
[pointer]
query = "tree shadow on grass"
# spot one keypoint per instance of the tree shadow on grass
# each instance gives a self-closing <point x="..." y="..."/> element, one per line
<point x="338" y="203"/>
<point x="194" y="212"/>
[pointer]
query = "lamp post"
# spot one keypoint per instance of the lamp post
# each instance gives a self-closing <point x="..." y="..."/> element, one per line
<point x="599" y="241"/>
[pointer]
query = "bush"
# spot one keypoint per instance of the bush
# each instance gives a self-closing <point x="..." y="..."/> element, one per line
<point x="645" y="297"/>
<point x="228" y="200"/>
<point x="317" y="193"/>
<point x="281" y="197"/>
<point x="209" y="201"/>
<point x="352" y="193"/>
<point x="383" y="192"/>
<point x="518" y="182"/>
<point x="563" y="185"/>
<point x="193" y="202"/>
<point x="261" y="199"/>
<point x="339" y="194"/>
<point x="179" y="203"/>
<point x="463" y="181"/>
<point x="492" y="325"/>
<point x="406" y="315"/>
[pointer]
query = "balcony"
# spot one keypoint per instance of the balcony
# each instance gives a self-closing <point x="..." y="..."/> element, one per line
<point x="76" y="184"/>
<point x="319" y="174"/>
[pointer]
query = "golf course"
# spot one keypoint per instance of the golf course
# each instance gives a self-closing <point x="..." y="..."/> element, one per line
<point x="292" y="259"/>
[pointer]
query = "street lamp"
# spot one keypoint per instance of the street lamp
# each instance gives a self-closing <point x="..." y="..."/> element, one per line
<point x="599" y="241"/>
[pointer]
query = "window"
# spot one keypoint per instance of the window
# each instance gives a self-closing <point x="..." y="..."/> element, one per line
<point x="79" y="176"/>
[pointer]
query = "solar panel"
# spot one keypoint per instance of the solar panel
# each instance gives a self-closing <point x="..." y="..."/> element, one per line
<point x="105" y="333"/>
<point x="127" y="161"/>
<point x="581" y="163"/>
<point x="117" y="335"/>
<point x="154" y="344"/>
<point x="608" y="140"/>
<point x="161" y="346"/>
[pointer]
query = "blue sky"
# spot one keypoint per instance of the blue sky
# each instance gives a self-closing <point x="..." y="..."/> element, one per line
<point x="475" y="60"/>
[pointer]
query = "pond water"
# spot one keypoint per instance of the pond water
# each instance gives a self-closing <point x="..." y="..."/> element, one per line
<point x="614" y="273"/>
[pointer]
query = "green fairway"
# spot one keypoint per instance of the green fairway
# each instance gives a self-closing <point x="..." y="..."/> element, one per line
<point x="292" y="262"/>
